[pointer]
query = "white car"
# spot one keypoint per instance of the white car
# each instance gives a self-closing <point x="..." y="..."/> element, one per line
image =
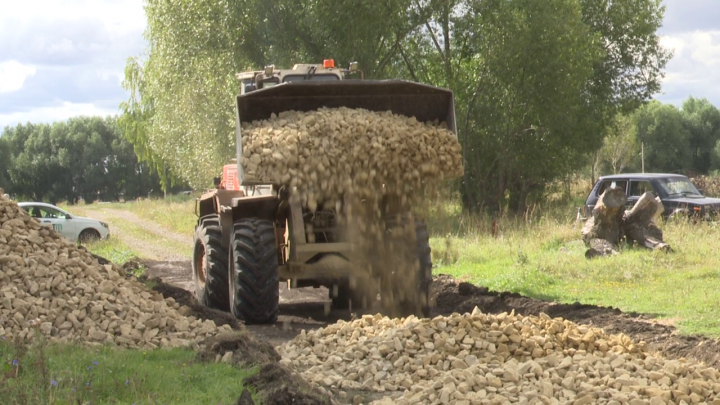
<point x="72" y="227"/>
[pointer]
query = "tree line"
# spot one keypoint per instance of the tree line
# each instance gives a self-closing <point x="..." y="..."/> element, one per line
<point x="537" y="83"/>
<point x="660" y="137"/>
<point x="84" y="158"/>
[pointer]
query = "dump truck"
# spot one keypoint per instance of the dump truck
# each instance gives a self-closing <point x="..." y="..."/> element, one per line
<point x="251" y="235"/>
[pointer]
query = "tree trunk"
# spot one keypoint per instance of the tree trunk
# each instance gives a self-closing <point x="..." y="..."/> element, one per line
<point x="606" y="219"/>
<point x="610" y="223"/>
<point x="639" y="223"/>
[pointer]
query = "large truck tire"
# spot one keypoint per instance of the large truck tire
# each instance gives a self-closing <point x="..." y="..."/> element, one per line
<point x="209" y="265"/>
<point x="254" y="275"/>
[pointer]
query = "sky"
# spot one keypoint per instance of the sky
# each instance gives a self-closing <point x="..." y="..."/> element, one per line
<point x="64" y="58"/>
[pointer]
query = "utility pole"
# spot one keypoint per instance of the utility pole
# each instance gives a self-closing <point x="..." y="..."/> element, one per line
<point x="642" y="155"/>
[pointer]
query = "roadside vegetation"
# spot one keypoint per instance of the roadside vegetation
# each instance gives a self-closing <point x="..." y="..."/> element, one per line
<point x="50" y="373"/>
<point x="544" y="259"/>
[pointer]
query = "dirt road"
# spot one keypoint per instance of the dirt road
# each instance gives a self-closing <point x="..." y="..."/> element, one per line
<point x="308" y="308"/>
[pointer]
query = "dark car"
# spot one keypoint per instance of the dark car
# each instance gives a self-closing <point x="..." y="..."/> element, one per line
<point x="677" y="193"/>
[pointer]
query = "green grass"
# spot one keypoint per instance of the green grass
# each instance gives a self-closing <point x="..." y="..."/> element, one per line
<point x="51" y="373"/>
<point x="176" y="214"/>
<point x="112" y="249"/>
<point x="546" y="260"/>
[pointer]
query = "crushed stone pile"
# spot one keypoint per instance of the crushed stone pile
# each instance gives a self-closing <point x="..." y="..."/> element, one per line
<point x="493" y="359"/>
<point x="48" y="284"/>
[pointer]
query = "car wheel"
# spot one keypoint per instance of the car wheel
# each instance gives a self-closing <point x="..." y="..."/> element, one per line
<point x="88" y="236"/>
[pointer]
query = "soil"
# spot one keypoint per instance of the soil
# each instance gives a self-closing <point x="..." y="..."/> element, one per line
<point x="274" y="384"/>
<point x="185" y="297"/>
<point x="246" y="350"/>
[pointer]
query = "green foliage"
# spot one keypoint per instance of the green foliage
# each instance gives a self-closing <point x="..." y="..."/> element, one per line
<point x="5" y="164"/>
<point x="47" y="373"/>
<point x="526" y="107"/>
<point x="660" y="128"/>
<point x="675" y="140"/>
<point x="134" y="121"/>
<point x="84" y="157"/>
<point x="702" y="121"/>
<point x="631" y="68"/>
<point x="621" y="149"/>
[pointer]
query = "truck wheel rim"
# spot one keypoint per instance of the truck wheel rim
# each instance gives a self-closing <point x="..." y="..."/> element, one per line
<point x="201" y="267"/>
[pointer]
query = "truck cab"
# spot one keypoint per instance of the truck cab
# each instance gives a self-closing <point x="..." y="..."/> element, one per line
<point x="269" y="77"/>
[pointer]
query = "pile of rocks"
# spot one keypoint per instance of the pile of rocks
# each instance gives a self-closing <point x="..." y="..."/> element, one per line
<point x="503" y="358"/>
<point x="50" y="285"/>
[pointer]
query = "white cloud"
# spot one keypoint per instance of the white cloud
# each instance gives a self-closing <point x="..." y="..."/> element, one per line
<point x="704" y="50"/>
<point x="682" y="16"/>
<point x="693" y="70"/>
<point x="673" y="43"/>
<point x="13" y="75"/>
<point x="58" y="112"/>
<point x="77" y="51"/>
<point x="116" y="15"/>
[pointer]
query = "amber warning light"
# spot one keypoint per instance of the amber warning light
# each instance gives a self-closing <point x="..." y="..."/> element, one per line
<point x="328" y="63"/>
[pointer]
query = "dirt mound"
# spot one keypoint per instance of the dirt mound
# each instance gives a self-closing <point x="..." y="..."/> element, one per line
<point x="463" y="297"/>
<point x="245" y="350"/>
<point x="50" y="285"/>
<point x="180" y="295"/>
<point x="273" y="383"/>
<point x="278" y="386"/>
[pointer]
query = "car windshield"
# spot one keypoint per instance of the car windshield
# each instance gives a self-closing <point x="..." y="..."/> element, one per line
<point x="678" y="186"/>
